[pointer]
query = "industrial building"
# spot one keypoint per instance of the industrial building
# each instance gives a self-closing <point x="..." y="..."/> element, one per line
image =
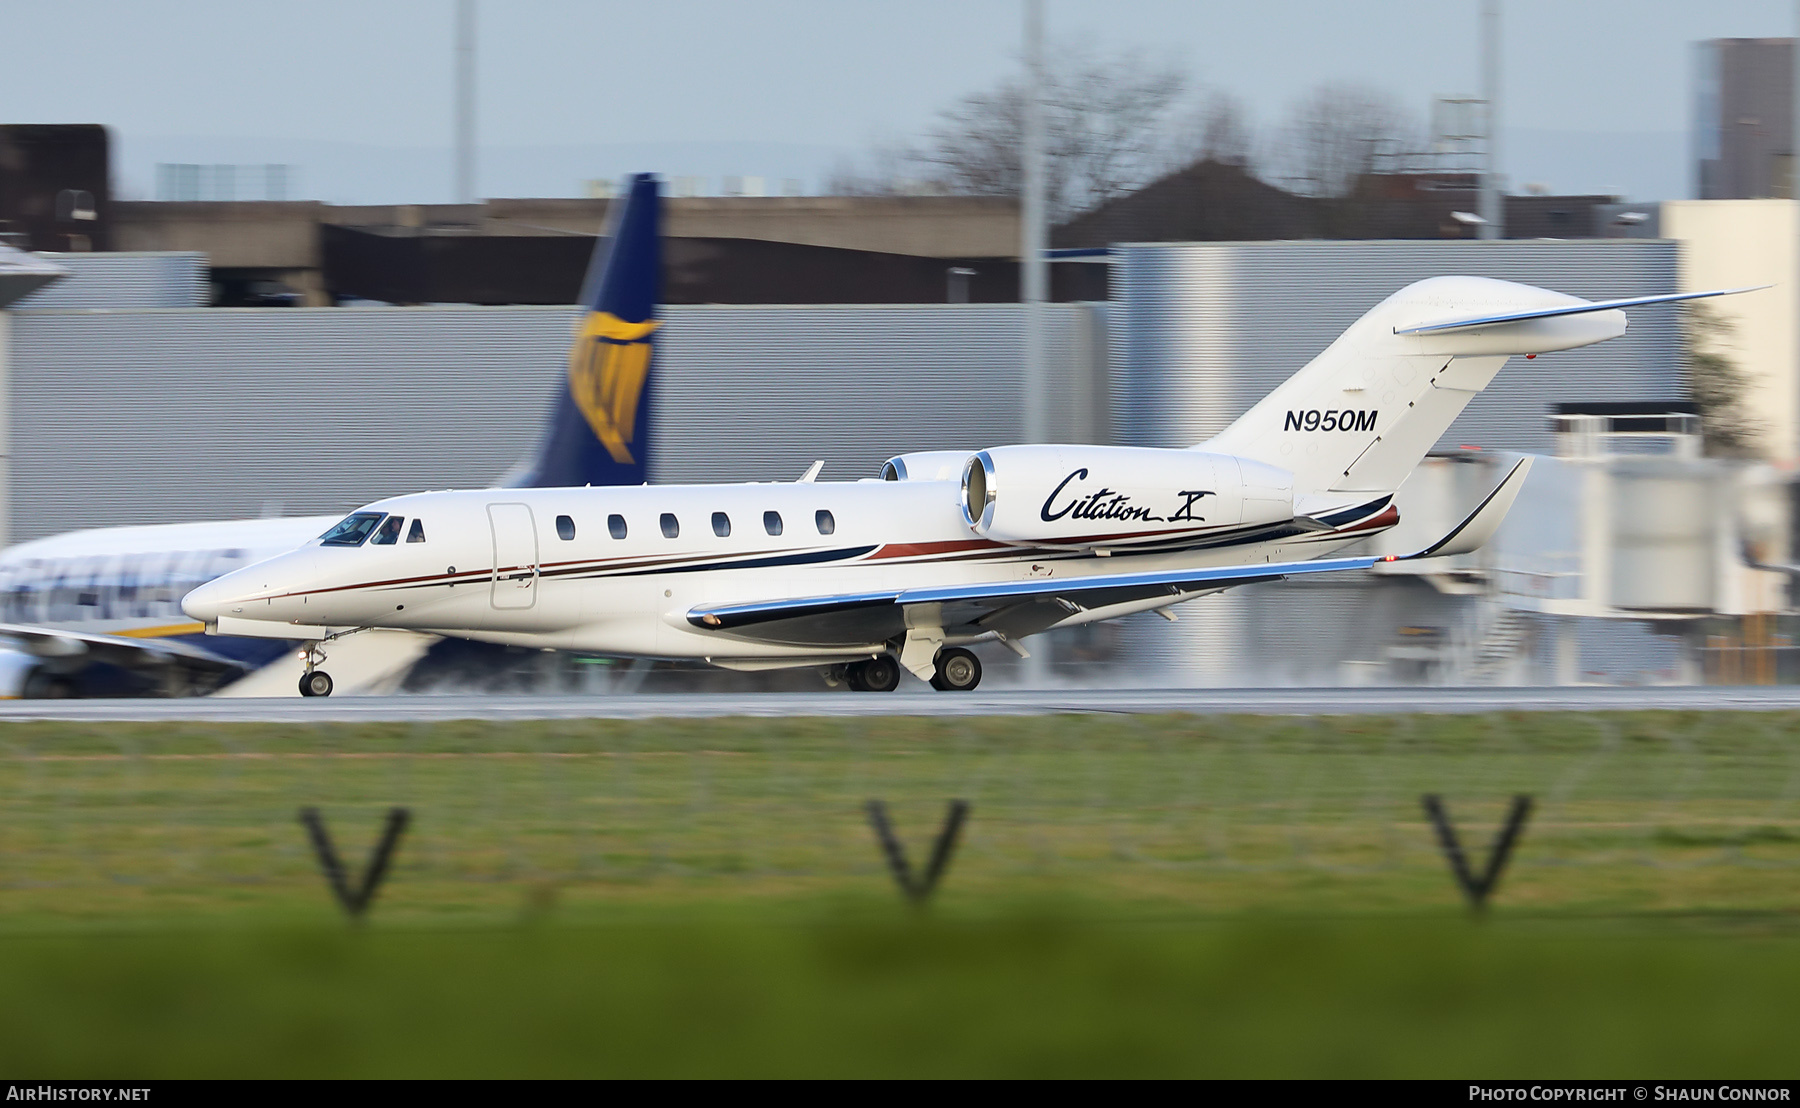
<point x="1744" y="118"/>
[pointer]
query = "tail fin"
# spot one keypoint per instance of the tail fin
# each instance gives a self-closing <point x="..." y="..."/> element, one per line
<point x="601" y="419"/>
<point x="1363" y="413"/>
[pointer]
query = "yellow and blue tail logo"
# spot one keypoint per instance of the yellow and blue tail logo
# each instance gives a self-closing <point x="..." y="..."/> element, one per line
<point x="608" y="368"/>
<point x="601" y="420"/>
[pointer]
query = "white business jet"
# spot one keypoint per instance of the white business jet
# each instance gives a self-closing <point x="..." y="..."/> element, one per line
<point x="867" y="579"/>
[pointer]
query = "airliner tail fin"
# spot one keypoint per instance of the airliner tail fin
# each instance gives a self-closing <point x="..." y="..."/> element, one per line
<point x="601" y="419"/>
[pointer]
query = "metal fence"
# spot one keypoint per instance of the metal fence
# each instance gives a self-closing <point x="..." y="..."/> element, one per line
<point x="1633" y="813"/>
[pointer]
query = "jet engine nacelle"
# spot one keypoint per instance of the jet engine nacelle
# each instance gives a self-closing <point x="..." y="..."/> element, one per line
<point x="1101" y="496"/>
<point x="926" y="465"/>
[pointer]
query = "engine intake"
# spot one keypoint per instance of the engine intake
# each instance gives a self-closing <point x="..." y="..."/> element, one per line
<point x="1106" y="496"/>
<point x="925" y="465"/>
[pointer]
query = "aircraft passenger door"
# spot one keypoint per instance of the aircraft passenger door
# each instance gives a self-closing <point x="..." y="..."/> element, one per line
<point x="515" y="556"/>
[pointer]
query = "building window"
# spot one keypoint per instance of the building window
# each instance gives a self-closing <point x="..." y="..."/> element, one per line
<point x="772" y="522"/>
<point x="615" y="526"/>
<point x="671" y="526"/>
<point x="417" y="534"/>
<point x="822" y="519"/>
<point x="721" y="525"/>
<point x="565" y="528"/>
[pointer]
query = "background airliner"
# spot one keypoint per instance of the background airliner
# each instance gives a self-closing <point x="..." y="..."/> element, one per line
<point x="864" y="580"/>
<point x="97" y="612"/>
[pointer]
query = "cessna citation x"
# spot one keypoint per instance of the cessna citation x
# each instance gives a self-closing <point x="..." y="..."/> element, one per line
<point x="868" y="578"/>
<point x="95" y="612"/>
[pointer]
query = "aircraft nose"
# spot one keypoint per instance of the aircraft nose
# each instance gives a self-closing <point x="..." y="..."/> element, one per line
<point x="211" y="600"/>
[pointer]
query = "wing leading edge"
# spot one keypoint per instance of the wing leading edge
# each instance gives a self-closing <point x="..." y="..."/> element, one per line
<point x="1581" y="308"/>
<point x="127" y="652"/>
<point x="1025" y="607"/>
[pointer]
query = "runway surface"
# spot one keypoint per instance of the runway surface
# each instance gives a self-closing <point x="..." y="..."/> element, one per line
<point x="1005" y="702"/>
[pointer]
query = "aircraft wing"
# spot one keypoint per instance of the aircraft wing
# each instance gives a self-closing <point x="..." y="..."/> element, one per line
<point x="124" y="651"/>
<point x="1015" y="608"/>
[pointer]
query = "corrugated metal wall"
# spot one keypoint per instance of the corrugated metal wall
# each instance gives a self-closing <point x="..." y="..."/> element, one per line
<point x="164" y="279"/>
<point x="164" y="416"/>
<point x="1208" y="329"/>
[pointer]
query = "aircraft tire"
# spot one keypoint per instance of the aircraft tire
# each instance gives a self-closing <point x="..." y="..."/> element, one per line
<point x="316" y="683"/>
<point x="41" y="684"/>
<point x="957" y="670"/>
<point x="879" y="674"/>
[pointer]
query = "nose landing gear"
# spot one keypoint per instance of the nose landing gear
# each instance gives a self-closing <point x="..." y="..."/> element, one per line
<point x="315" y="681"/>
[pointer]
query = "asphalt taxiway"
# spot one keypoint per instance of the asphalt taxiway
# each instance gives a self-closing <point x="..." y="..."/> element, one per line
<point x="998" y="702"/>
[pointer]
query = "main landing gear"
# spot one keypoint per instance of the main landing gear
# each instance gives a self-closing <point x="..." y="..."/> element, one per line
<point x="956" y="670"/>
<point x="878" y="674"/>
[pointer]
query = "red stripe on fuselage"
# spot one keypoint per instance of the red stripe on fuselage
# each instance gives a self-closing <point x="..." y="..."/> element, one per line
<point x="1386" y="519"/>
<point x="917" y="549"/>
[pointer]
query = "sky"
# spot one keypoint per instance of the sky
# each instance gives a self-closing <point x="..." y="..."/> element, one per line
<point x="357" y="95"/>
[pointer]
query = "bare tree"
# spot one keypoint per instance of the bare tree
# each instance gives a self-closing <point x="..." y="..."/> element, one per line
<point x="1718" y="385"/>
<point x="1106" y="128"/>
<point x="1222" y="131"/>
<point x="1340" y="132"/>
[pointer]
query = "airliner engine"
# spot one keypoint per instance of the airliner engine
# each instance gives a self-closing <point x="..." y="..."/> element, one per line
<point x="1105" y="496"/>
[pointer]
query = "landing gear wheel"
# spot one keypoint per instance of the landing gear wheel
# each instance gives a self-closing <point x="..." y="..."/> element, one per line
<point x="957" y="671"/>
<point x="316" y="683"/>
<point x="879" y="674"/>
<point x="42" y="685"/>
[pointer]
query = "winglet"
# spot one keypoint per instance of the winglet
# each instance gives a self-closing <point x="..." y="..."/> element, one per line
<point x="1479" y="525"/>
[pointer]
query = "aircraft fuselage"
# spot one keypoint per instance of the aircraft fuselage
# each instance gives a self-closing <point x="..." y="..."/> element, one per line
<point x="553" y="567"/>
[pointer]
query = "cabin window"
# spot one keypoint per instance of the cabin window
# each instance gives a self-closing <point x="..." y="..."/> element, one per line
<point x="389" y="532"/>
<point x="417" y="534"/>
<point x="615" y="526"/>
<point x="822" y="519"/>
<point x="772" y="522"/>
<point x="671" y="527"/>
<point x="721" y="525"/>
<point x="565" y="528"/>
<point x="352" y="531"/>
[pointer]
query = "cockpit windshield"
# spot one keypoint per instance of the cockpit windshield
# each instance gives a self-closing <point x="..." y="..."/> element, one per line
<point x="352" y="531"/>
<point x="389" y="532"/>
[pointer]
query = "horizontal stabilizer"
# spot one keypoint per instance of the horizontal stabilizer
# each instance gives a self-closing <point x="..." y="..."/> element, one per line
<point x="1565" y="309"/>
